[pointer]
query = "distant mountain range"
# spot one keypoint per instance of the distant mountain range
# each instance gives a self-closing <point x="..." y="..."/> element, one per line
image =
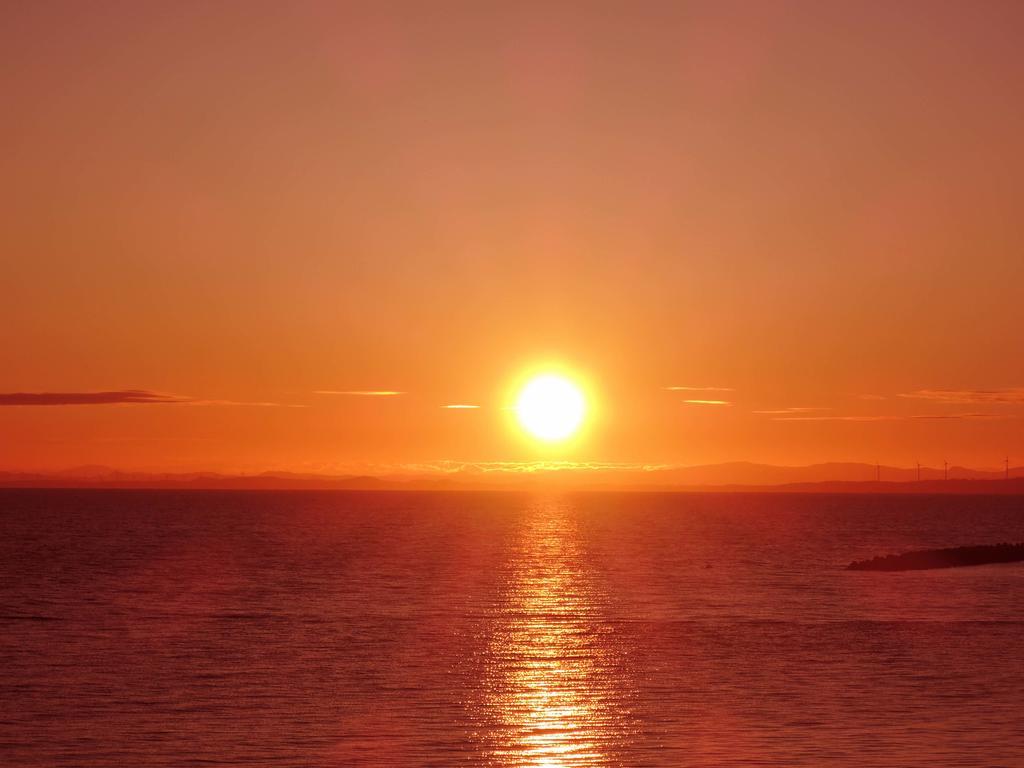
<point x="732" y="476"/>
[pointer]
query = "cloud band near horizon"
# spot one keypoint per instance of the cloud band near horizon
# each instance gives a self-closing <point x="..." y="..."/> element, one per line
<point x="117" y="397"/>
<point x="360" y="392"/>
<point x="1014" y="395"/>
<point x="113" y="397"/>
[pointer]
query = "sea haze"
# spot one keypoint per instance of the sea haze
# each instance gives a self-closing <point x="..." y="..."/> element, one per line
<point x="179" y="628"/>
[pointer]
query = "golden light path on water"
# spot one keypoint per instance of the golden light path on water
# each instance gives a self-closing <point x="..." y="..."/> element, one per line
<point x="554" y="692"/>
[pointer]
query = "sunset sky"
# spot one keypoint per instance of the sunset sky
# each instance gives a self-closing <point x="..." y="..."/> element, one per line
<point x="784" y="232"/>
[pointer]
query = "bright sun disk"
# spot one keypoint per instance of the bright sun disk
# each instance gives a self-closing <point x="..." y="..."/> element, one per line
<point x="550" y="407"/>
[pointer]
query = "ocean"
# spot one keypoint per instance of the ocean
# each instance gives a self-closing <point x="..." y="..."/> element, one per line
<point x="192" y="628"/>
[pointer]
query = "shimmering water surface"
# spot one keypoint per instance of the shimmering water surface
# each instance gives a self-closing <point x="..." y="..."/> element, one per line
<point x="329" y="629"/>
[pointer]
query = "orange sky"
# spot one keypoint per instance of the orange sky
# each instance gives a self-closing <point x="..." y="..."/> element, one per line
<point x="241" y="204"/>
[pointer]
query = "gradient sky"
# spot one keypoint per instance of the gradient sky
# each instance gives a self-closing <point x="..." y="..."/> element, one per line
<point x="213" y="211"/>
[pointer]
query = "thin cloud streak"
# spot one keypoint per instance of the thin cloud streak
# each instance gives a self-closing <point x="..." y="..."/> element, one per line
<point x="360" y="392"/>
<point x="243" y="403"/>
<point x="922" y="417"/>
<point x="796" y="409"/>
<point x="699" y="389"/>
<point x="460" y="407"/>
<point x="1014" y="395"/>
<point x="707" y="402"/>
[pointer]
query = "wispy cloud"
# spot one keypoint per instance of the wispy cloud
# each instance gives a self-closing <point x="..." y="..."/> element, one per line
<point x="707" y="402"/>
<point x="699" y="389"/>
<point x="1014" y="395"/>
<point x="119" y="397"/>
<point x="460" y="407"/>
<point x="360" y="392"/>
<point x="872" y="397"/>
<point x="795" y="409"/>
<point x="919" y="417"/>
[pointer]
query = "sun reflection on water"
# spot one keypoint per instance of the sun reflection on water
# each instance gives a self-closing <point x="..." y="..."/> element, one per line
<point x="552" y="672"/>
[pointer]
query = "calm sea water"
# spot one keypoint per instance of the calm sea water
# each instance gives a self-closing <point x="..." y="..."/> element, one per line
<point x="333" y="629"/>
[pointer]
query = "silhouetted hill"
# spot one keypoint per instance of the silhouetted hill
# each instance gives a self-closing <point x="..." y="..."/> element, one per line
<point x="950" y="557"/>
<point x="730" y="477"/>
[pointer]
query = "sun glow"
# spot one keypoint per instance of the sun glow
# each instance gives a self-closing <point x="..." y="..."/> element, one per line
<point x="550" y="407"/>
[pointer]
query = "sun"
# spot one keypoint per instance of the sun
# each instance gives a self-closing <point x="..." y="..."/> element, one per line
<point x="550" y="407"/>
